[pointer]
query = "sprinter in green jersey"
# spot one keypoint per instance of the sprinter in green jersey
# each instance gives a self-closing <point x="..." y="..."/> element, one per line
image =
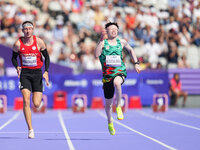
<point x="109" y="51"/>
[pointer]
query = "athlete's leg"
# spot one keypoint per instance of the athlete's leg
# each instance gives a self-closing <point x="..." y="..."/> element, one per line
<point x="37" y="98"/>
<point x="26" y="107"/>
<point x="108" y="109"/>
<point x="37" y="88"/>
<point x="109" y="93"/>
<point x="117" y="84"/>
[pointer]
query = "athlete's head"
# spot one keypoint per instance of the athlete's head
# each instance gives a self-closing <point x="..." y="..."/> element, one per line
<point x="27" y="28"/>
<point x="112" y="29"/>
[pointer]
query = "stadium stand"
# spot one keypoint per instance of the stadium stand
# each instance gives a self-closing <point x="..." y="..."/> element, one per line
<point x="81" y="24"/>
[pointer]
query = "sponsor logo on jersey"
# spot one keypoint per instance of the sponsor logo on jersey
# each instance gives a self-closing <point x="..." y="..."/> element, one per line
<point x="33" y="48"/>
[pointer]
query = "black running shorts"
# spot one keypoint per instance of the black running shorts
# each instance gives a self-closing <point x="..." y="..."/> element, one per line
<point x="109" y="88"/>
<point x="31" y="79"/>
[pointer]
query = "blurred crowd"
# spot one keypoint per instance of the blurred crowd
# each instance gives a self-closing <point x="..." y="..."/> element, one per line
<point x="164" y="33"/>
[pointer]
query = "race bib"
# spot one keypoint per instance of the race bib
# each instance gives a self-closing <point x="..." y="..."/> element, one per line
<point x="113" y="60"/>
<point x="30" y="61"/>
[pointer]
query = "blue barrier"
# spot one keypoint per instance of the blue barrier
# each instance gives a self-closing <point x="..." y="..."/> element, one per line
<point x="144" y="85"/>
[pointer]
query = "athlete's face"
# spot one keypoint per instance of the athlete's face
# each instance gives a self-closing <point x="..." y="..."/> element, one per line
<point x="28" y="31"/>
<point x="112" y="31"/>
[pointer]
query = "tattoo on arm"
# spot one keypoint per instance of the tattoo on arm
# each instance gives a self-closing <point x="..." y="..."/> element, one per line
<point x="98" y="49"/>
<point x="41" y="44"/>
<point x="131" y="51"/>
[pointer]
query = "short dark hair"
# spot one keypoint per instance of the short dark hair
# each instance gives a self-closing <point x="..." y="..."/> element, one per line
<point x="27" y="22"/>
<point x="111" y="23"/>
<point x="176" y="74"/>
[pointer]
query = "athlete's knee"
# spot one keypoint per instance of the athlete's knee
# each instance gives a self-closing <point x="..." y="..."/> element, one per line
<point x="109" y="103"/>
<point x="36" y="104"/>
<point x="117" y="84"/>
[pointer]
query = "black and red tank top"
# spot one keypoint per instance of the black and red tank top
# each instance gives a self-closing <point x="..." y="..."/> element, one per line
<point x="30" y="56"/>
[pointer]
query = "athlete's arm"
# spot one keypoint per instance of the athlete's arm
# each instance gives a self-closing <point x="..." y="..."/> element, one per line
<point x="100" y="44"/>
<point x="43" y="49"/>
<point x="132" y="53"/>
<point x="16" y="49"/>
<point x="98" y="49"/>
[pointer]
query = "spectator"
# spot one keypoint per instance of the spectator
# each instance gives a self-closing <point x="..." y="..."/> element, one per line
<point x="161" y="32"/>
<point x="163" y="47"/>
<point x="196" y="12"/>
<point x="185" y="37"/>
<point x="45" y="4"/>
<point x="66" y="6"/>
<point x="147" y="34"/>
<point x="182" y="62"/>
<point x="119" y="3"/>
<point x="98" y="19"/>
<point x="152" y="51"/>
<point x="173" y="55"/>
<point x="110" y="12"/>
<point x="86" y="18"/>
<point x="59" y="31"/>
<point x="173" y="36"/>
<point x="120" y="20"/>
<point x="196" y="24"/>
<point x="138" y="32"/>
<point x="77" y="5"/>
<point x="173" y="24"/>
<point x="71" y="39"/>
<point x="174" y="4"/>
<point x="88" y="59"/>
<point x="2" y="68"/>
<point x="195" y="39"/>
<point x="130" y="20"/>
<point x="176" y="89"/>
<point x="152" y="19"/>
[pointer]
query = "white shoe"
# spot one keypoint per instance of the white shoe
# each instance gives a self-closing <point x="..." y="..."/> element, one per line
<point x="31" y="134"/>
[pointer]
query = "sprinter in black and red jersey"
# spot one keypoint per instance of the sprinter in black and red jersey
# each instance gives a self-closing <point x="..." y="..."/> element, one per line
<point x="30" y="50"/>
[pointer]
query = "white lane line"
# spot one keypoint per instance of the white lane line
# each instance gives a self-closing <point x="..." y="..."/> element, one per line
<point x="131" y="129"/>
<point x="167" y="120"/>
<point x="51" y="132"/>
<point x="16" y="115"/>
<point x="186" y="113"/>
<point x="69" y="142"/>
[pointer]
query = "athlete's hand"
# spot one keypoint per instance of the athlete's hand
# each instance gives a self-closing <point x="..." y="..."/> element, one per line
<point x="18" y="71"/>
<point x="138" y="68"/>
<point x="46" y="77"/>
<point x="103" y="35"/>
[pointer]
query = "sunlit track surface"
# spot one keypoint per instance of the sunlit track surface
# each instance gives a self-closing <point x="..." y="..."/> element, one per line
<point x="65" y="130"/>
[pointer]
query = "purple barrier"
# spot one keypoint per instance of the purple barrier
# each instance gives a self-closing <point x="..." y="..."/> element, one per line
<point x="190" y="79"/>
<point x="6" y="53"/>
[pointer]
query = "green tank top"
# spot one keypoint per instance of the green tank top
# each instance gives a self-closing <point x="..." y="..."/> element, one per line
<point x="111" y="61"/>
